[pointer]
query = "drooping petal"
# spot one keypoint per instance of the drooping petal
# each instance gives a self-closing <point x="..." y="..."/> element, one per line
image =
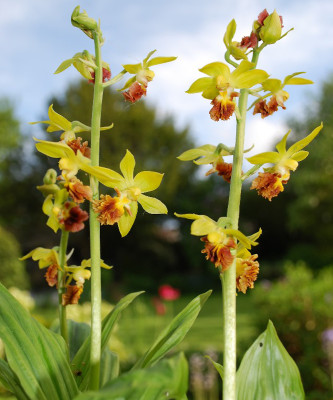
<point x="54" y="149"/>
<point x="201" y="85"/>
<point x="152" y="205"/>
<point x="127" y="220"/>
<point x="127" y="165"/>
<point x="147" y="181"/>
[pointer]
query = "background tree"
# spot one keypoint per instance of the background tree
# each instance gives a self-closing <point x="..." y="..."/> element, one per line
<point x="310" y="214"/>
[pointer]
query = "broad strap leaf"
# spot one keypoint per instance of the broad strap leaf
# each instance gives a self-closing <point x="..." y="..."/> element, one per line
<point x="268" y="372"/>
<point x="81" y="360"/>
<point x="174" y="333"/>
<point x="37" y="356"/>
<point x="166" y="379"/>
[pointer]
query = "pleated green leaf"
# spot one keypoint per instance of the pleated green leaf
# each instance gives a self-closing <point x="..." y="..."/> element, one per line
<point x="174" y="333"/>
<point x="37" y="356"/>
<point x="10" y="381"/>
<point x="81" y="361"/>
<point x="267" y="372"/>
<point x="165" y="380"/>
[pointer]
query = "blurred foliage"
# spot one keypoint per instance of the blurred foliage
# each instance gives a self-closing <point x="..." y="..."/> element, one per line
<point x="12" y="271"/>
<point x="300" y="306"/>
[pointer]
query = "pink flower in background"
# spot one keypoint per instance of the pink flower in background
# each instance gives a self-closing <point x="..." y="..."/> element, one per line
<point x="167" y="292"/>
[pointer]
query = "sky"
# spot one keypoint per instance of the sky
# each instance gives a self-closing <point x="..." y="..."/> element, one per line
<point x="36" y="36"/>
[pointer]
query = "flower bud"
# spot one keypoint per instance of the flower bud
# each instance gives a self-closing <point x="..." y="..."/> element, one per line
<point x="82" y="21"/>
<point x="272" y="29"/>
<point x="50" y="176"/>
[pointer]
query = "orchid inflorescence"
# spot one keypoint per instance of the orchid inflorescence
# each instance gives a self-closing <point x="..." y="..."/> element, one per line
<point x="223" y="86"/>
<point x="65" y="193"/>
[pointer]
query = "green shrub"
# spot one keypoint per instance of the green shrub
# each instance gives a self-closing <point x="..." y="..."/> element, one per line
<point x="12" y="271"/>
<point x="301" y="308"/>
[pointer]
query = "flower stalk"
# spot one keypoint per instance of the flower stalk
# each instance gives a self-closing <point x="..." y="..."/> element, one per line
<point x="95" y="345"/>
<point x="229" y="278"/>
<point x="61" y="285"/>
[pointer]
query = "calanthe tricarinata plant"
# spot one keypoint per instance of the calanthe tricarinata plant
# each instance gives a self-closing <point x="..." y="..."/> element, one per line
<point x="267" y="371"/>
<point x="38" y="366"/>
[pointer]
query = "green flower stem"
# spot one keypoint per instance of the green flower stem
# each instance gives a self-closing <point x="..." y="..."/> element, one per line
<point x="61" y="285"/>
<point x="229" y="279"/>
<point x="95" y="246"/>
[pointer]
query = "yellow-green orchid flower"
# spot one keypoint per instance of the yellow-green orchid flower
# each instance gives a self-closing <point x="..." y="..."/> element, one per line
<point x="247" y="266"/>
<point x="85" y="63"/>
<point x="209" y="154"/>
<point x="219" y="240"/>
<point x="57" y="122"/>
<point x="270" y="183"/>
<point x="45" y="257"/>
<point x="130" y="190"/>
<point x="221" y="79"/>
<point x="220" y="84"/>
<point x="275" y="89"/>
<point x="141" y="71"/>
<point x="81" y="273"/>
<point x="69" y="162"/>
<point x="137" y="85"/>
<point x="63" y="214"/>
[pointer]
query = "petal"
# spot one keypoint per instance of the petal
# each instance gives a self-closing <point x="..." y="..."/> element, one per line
<point x="299" y="81"/>
<point x="148" y="56"/>
<point x="188" y="216"/>
<point x="58" y="121"/>
<point x="230" y="33"/>
<point x="127" y="165"/>
<point x="281" y="146"/>
<point x="128" y="83"/>
<point x="272" y="85"/>
<point x="203" y="226"/>
<point x="160" y="60"/>
<point x="201" y="85"/>
<point x="192" y="154"/>
<point x="263" y="158"/>
<point x="106" y="176"/>
<point x="147" y="181"/>
<point x="132" y="68"/>
<point x="64" y="65"/>
<point x="246" y="242"/>
<point x="48" y="205"/>
<point x="300" y="155"/>
<point x="152" y="205"/>
<point x="304" y="142"/>
<point x="126" y="221"/>
<point x="54" y="149"/>
<point x="215" y="69"/>
<point x="248" y="79"/>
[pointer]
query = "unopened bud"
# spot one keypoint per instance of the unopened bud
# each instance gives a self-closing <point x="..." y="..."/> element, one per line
<point x="82" y="21"/>
<point x="272" y="29"/>
<point x="50" y="176"/>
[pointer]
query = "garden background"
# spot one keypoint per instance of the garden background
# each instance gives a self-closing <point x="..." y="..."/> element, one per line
<point x="295" y="287"/>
